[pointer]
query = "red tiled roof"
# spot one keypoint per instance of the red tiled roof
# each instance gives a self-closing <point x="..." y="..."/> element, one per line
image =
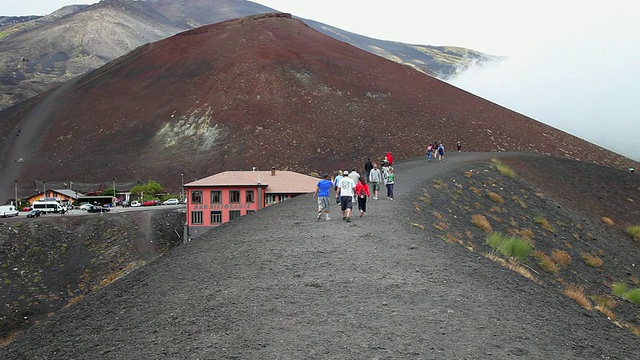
<point x="282" y="182"/>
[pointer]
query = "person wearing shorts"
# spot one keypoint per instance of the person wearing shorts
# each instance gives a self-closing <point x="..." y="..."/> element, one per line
<point x="346" y="191"/>
<point x="323" y="191"/>
<point x="374" y="179"/>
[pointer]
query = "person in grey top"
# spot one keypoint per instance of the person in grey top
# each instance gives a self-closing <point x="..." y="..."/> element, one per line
<point x="374" y="179"/>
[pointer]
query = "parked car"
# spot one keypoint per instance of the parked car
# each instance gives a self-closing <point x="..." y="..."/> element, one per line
<point x="85" y="206"/>
<point x="171" y="202"/>
<point x="135" y="203"/>
<point x="98" y="208"/>
<point x="34" y="213"/>
<point x="26" y="208"/>
<point x="151" y="203"/>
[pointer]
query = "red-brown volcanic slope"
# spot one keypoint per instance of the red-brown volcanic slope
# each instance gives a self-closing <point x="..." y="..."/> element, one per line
<point x="265" y="91"/>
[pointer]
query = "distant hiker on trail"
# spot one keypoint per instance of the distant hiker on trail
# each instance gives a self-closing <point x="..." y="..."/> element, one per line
<point x="389" y="182"/>
<point x="323" y="190"/>
<point x="389" y="158"/>
<point x="346" y="190"/>
<point x="336" y="182"/>
<point x="441" y="152"/>
<point x="429" y="152"/>
<point x="459" y="146"/>
<point x="367" y="169"/>
<point x="362" y="190"/>
<point x="375" y="177"/>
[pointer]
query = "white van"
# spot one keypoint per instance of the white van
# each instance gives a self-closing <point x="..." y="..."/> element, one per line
<point x="8" y="210"/>
<point x="48" y="206"/>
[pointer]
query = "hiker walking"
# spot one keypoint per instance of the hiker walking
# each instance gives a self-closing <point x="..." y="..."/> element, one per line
<point x="375" y="177"/>
<point x="429" y="152"/>
<point x="459" y="145"/>
<point x="336" y="182"/>
<point x="322" y="192"/>
<point x="389" y="181"/>
<point x="441" y="152"/>
<point x="362" y="190"/>
<point x="346" y="190"/>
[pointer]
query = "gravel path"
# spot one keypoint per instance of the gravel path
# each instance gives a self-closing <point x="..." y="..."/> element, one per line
<point x="280" y="284"/>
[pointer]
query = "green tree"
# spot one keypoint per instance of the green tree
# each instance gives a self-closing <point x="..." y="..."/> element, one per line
<point x="107" y="192"/>
<point x="149" y="189"/>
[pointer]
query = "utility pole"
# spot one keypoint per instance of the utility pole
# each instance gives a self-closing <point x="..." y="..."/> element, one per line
<point x="44" y="188"/>
<point x="16" y="198"/>
<point x="114" y="200"/>
<point x="181" y="188"/>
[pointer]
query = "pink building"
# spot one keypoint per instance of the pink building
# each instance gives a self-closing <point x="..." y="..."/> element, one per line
<point x="220" y="198"/>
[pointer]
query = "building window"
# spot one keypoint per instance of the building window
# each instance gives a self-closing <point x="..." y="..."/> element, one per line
<point x="196" y="197"/>
<point x="250" y="212"/>
<point x="282" y="198"/>
<point x="234" y="214"/>
<point x="270" y="199"/>
<point x="196" y="217"/>
<point x="216" y="197"/>
<point x="250" y="197"/>
<point x="216" y="217"/>
<point x="234" y="196"/>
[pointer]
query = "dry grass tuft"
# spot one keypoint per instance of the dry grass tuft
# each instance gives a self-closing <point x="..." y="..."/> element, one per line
<point x="476" y="191"/>
<point x="437" y="215"/>
<point x="8" y="339"/>
<point x="561" y="257"/>
<point x="514" y="266"/>
<point x="425" y="198"/>
<point x="576" y="293"/>
<point x="606" y="312"/>
<point x="519" y="201"/>
<point x="496" y="198"/>
<point x="546" y="263"/>
<point x="540" y="195"/>
<point x="591" y="259"/>
<point x="504" y="169"/>
<point x="468" y="174"/>
<point x="481" y="223"/>
<point x="417" y="207"/>
<point x="439" y="184"/>
<point x="526" y="234"/>
<point x="544" y="223"/>
<point x="421" y="227"/>
<point x="74" y="301"/>
<point x="605" y="301"/>
<point x="441" y="226"/>
<point x="607" y="220"/>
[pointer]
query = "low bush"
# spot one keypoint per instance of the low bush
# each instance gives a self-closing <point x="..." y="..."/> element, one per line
<point x="633" y="296"/>
<point x="619" y="289"/>
<point x="504" y="169"/>
<point x="634" y="231"/>
<point x="509" y="246"/>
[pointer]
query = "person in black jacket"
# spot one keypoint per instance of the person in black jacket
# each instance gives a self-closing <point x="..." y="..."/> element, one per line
<point x="367" y="169"/>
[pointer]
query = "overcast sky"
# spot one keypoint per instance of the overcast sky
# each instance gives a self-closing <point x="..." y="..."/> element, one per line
<point x="572" y="64"/>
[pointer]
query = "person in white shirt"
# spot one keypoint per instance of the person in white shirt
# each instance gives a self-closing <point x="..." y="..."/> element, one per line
<point x="346" y="191"/>
<point x="375" y="177"/>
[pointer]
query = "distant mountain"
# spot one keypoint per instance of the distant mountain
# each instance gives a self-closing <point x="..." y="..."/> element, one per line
<point x="42" y="53"/>
<point x="263" y="90"/>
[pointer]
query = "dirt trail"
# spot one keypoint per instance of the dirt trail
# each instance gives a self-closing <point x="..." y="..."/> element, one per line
<point x="281" y="284"/>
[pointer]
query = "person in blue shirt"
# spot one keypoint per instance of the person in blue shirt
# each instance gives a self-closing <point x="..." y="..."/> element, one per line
<point x="323" y="192"/>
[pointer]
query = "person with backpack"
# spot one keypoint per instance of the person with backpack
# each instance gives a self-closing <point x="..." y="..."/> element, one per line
<point x="441" y="152"/>
<point x="362" y="192"/>
<point x="429" y="152"/>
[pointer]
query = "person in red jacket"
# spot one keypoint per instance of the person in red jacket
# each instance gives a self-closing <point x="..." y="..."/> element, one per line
<point x="389" y="158"/>
<point x="362" y="192"/>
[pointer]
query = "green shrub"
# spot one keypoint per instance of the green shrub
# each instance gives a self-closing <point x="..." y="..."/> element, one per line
<point x="633" y="296"/>
<point x="509" y="246"/>
<point x="619" y="289"/>
<point x="634" y="231"/>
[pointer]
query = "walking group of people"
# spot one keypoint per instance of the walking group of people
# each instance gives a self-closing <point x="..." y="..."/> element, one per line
<point x="435" y="150"/>
<point x="351" y="187"/>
